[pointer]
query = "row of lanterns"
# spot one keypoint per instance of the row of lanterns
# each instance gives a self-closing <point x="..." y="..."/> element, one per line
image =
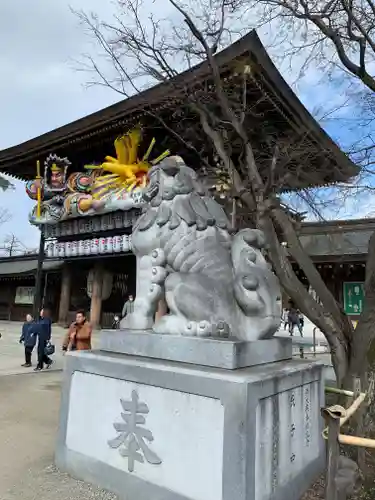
<point x="96" y="246"/>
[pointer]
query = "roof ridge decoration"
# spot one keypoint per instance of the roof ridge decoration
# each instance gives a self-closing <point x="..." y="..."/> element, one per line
<point x="76" y="137"/>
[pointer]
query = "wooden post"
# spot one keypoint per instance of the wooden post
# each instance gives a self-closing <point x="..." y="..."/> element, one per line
<point x="359" y="420"/>
<point x="66" y="286"/>
<point x="96" y="296"/>
<point x="332" y="419"/>
<point x="38" y="277"/>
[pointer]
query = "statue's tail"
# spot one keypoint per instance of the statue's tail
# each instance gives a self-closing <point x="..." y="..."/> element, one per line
<point x="256" y="288"/>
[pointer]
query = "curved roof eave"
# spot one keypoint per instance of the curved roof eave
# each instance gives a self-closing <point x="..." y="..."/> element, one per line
<point x="250" y="43"/>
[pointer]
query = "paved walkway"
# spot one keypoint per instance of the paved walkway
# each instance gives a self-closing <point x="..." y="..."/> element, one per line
<point x="29" y="407"/>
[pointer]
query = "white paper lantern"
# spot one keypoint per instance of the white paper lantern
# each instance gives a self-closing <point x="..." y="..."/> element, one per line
<point x="81" y="247"/>
<point x="49" y="249"/>
<point x="74" y="248"/>
<point x="125" y="243"/>
<point x="61" y="250"/>
<point x="117" y="244"/>
<point x="87" y="247"/>
<point x="55" y="251"/>
<point x="94" y="246"/>
<point x="68" y="248"/>
<point x="110" y="244"/>
<point x="102" y="245"/>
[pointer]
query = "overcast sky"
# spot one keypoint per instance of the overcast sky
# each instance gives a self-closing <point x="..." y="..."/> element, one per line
<point x="39" y="87"/>
<point x="40" y="90"/>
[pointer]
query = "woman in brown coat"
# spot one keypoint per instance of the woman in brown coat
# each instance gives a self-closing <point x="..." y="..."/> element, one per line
<point x="78" y="337"/>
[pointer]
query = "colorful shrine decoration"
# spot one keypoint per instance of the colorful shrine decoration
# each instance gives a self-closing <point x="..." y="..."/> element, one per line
<point x="116" y="184"/>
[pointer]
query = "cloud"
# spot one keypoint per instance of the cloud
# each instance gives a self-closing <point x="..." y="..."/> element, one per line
<point x="39" y="90"/>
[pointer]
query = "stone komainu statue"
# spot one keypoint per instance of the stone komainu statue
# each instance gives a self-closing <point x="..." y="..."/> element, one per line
<point x="215" y="284"/>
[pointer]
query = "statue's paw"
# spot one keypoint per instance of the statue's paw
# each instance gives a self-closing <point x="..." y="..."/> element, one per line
<point x="190" y="329"/>
<point x="198" y="329"/>
<point x="159" y="274"/>
<point x="204" y="329"/>
<point x="222" y="329"/>
<point x="207" y="329"/>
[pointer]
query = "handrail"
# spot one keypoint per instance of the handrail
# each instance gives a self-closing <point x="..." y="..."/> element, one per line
<point x="336" y="416"/>
<point x="346" y="413"/>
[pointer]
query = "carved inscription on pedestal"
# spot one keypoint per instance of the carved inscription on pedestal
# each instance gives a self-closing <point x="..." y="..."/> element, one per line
<point x="132" y="435"/>
<point x="288" y="437"/>
<point x="293" y="396"/>
<point x="307" y="410"/>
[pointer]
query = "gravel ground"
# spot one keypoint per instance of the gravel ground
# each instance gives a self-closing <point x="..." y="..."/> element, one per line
<point x="29" y="407"/>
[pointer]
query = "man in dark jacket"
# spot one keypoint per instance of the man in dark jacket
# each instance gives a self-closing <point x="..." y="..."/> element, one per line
<point x="294" y="319"/>
<point x="44" y="326"/>
<point x="28" y="338"/>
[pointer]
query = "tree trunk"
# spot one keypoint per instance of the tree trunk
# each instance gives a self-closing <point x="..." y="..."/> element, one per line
<point x="304" y="261"/>
<point x="308" y="305"/>
<point x="363" y="345"/>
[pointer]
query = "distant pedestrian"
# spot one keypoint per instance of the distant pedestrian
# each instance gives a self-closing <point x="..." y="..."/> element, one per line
<point x="78" y="337"/>
<point x="284" y="318"/>
<point x="29" y="337"/>
<point x="128" y="306"/>
<point x="294" y="320"/>
<point x="44" y="329"/>
<point x="301" y="320"/>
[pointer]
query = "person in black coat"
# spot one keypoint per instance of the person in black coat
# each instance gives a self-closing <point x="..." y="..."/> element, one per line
<point x="28" y="338"/>
<point x="44" y="327"/>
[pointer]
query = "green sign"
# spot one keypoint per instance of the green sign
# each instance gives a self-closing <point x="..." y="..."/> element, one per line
<point x="354" y="295"/>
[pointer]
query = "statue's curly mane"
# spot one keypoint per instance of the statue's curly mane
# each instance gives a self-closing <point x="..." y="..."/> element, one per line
<point x="179" y="196"/>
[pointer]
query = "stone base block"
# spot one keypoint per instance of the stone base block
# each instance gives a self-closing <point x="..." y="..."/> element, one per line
<point x="219" y="353"/>
<point x="148" y="429"/>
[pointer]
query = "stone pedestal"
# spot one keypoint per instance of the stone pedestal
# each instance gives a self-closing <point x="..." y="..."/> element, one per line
<point x="229" y="353"/>
<point x="151" y="429"/>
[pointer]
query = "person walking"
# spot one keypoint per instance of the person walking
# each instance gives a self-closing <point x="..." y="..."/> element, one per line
<point x="44" y="329"/>
<point x="301" y="321"/>
<point x="128" y="306"/>
<point x="28" y="338"/>
<point x="284" y="317"/>
<point x="78" y="337"/>
<point x="294" y="320"/>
